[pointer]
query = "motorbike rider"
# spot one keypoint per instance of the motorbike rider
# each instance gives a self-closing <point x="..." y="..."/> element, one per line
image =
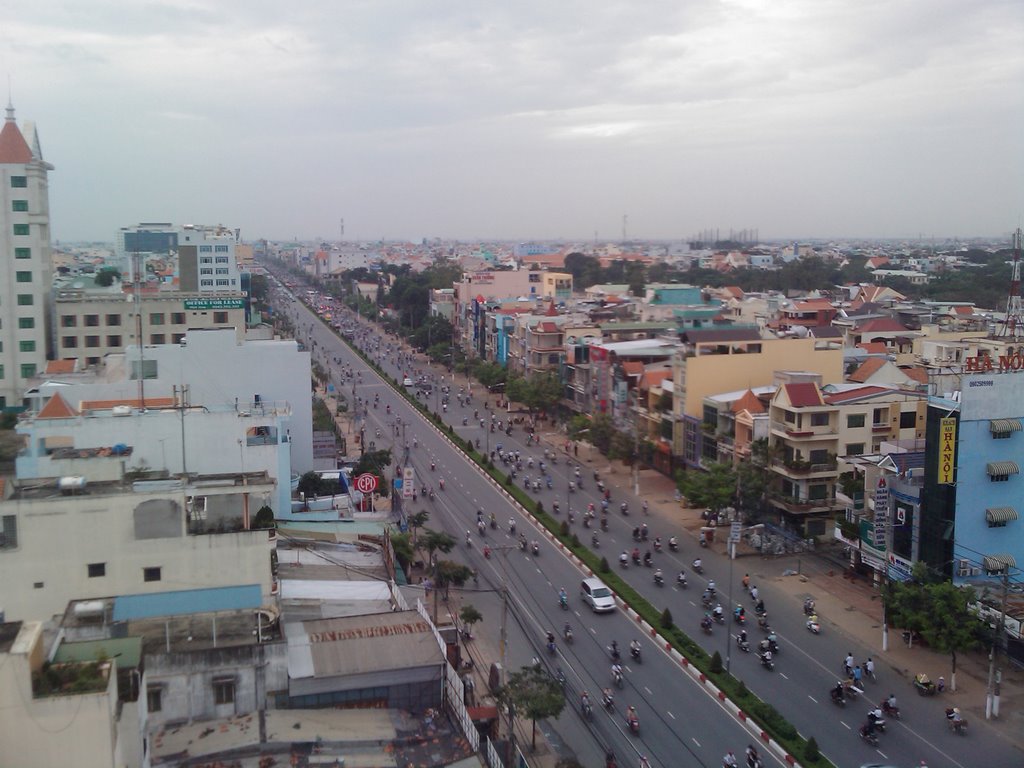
<point x="718" y="612"/>
<point x="658" y="576"/>
<point x="563" y="597"/>
<point x="889" y="704"/>
<point x="839" y="692"/>
<point x="752" y="756"/>
<point x="673" y="542"/>
<point x="634" y="648"/>
<point x="742" y="637"/>
<point x="624" y="558"/>
<point x="697" y="565"/>
<point x="729" y="761"/>
<point x="614" y="648"/>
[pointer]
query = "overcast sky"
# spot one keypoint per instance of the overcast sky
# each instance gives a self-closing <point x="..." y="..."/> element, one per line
<point x="517" y="119"/>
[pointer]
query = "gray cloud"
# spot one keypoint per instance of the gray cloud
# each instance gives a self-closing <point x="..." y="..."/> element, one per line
<point x="531" y="119"/>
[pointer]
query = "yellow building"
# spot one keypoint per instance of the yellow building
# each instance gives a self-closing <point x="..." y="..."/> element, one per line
<point x="714" y="361"/>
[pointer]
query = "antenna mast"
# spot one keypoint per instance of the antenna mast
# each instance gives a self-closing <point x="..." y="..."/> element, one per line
<point x="1014" y="321"/>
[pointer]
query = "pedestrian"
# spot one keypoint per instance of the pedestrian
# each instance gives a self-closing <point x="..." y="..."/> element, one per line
<point x="848" y="664"/>
<point x="869" y="668"/>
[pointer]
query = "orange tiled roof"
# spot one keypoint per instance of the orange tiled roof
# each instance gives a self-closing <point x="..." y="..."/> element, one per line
<point x="873" y="347"/>
<point x="867" y="369"/>
<point x="749" y="402"/>
<point x="915" y="372"/>
<point x="803" y="394"/>
<point x="133" y="402"/>
<point x="633" y="368"/>
<point x="61" y="366"/>
<point x="13" y="147"/>
<point x="57" y="408"/>
<point x="654" y="378"/>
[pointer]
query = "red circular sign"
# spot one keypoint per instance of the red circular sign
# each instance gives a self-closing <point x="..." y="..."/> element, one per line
<point x="366" y="483"/>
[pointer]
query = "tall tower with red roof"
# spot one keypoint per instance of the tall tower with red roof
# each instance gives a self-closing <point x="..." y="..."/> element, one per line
<point x="26" y="272"/>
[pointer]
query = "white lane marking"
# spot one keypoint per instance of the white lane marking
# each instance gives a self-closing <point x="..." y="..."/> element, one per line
<point x="783" y="676"/>
<point x="695" y="741"/>
<point x="649" y="693"/>
<point x="670" y="714"/>
<point x="813" y="699"/>
<point x="845" y="725"/>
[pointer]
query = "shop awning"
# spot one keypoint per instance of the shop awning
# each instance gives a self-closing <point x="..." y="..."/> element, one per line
<point x="1002" y="468"/>
<point x="1000" y="514"/>
<point x="1004" y="426"/>
<point x="999" y="562"/>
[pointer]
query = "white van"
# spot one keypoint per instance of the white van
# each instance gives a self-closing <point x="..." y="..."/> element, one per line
<point x="597" y="595"/>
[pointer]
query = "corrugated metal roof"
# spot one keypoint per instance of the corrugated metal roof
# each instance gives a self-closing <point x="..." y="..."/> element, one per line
<point x="361" y="644"/>
<point x="1000" y="514"/>
<point x="1000" y="468"/>
<point x="1004" y="426"/>
<point x="186" y="601"/>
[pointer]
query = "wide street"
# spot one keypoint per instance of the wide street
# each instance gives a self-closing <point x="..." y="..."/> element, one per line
<point x="680" y="724"/>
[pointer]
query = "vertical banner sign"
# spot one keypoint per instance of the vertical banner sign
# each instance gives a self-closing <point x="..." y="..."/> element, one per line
<point x="881" y="514"/>
<point x="947" y="450"/>
<point x="408" y="482"/>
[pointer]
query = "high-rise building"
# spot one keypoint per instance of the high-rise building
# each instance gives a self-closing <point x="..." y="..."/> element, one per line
<point x="25" y="268"/>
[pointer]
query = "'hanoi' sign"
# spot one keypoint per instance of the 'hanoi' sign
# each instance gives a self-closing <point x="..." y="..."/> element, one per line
<point x="984" y="364"/>
<point x="947" y="450"/>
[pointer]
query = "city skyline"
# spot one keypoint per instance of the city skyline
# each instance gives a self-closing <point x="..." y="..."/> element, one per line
<point x="794" y="118"/>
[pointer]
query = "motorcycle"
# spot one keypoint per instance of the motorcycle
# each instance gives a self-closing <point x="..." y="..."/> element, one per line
<point x="879" y="722"/>
<point x="634" y="652"/>
<point x="536" y="549"/>
<point x="956" y="724"/>
<point x="766" y="661"/>
<point x="588" y="711"/>
<point x="608" y="700"/>
<point x="673" y="544"/>
<point x="681" y="580"/>
<point x="868" y="735"/>
<point x="634" y="725"/>
<point x="659" y="580"/>
<point x="808" y="607"/>
<point x="563" y="602"/>
<point x="890" y="711"/>
<point x="706" y="625"/>
<point x="617" y="678"/>
<point x="567" y="634"/>
<point x="487" y="553"/>
<point x="743" y="645"/>
<point x="595" y="542"/>
<point x="814" y="626"/>
<point x="698" y="568"/>
<point x="837" y="698"/>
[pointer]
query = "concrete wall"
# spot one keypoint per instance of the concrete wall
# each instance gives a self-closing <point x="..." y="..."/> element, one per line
<point x="59" y="537"/>
<point x="48" y="731"/>
<point x="186" y="681"/>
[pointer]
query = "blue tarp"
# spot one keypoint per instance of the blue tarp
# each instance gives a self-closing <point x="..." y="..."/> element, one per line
<point x="185" y="601"/>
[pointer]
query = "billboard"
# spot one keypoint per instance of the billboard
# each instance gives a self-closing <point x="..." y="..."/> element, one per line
<point x="214" y="303"/>
<point x="947" y="450"/>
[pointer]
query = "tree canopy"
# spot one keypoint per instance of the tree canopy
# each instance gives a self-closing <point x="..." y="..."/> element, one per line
<point x="535" y="694"/>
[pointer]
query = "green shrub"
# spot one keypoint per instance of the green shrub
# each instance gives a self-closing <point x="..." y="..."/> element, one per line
<point x="603" y="567"/>
<point x="716" y="664"/>
<point x="666" y="619"/>
<point x="811" y="751"/>
<point x="563" y="529"/>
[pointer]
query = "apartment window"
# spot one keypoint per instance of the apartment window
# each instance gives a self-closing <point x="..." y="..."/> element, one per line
<point x="26" y="346"/>
<point x="114" y="341"/>
<point x="855" y="449"/>
<point x="26" y="322"/>
<point x="221" y="260"/>
<point x="19" y="182"/>
<point x="25" y="300"/>
<point x="222" y="270"/>
<point x="789" y="416"/>
<point x="68" y="321"/>
<point x="19" y="206"/>
<point x="113" y="319"/>
<point x="206" y="282"/>
<point x="223" y="282"/>
<point x="206" y="260"/>
<point x="221" y="249"/>
<point x="23" y="277"/>
<point x="96" y="570"/>
<point x="908" y="420"/>
<point x="156" y="318"/>
<point x="92" y="361"/>
<point x="38" y="584"/>
<point x="148" y="369"/>
<point x="817" y="492"/>
<point x="819" y="419"/>
<point x="234" y="281"/>
<point x="177" y="318"/>
<point x="224" y="690"/>
<point x="880" y="416"/>
<point x="206" y="271"/>
<point x="855" y="420"/>
<point x="21" y="229"/>
<point x="220" y="317"/>
<point x="92" y="320"/>
<point x="157" y="338"/>
<point x="92" y="341"/>
<point x="8" y="532"/>
<point x="69" y="342"/>
<point x="23" y="253"/>
<point x="28" y="370"/>
<point x="177" y="338"/>
<point x="205" y="248"/>
<point x="154" y="698"/>
<point x="151" y="574"/>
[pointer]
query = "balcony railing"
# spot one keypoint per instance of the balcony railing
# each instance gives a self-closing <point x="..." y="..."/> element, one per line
<point x="799" y="505"/>
<point x="805" y="467"/>
<point x="792" y="430"/>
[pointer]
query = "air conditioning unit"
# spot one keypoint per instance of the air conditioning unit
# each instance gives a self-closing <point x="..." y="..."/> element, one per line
<point x="963" y="568"/>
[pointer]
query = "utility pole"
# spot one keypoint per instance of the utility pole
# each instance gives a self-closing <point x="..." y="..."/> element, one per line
<point x="995" y="676"/>
<point x="636" y="442"/>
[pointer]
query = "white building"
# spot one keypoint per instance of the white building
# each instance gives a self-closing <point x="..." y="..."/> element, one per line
<point x="75" y="539"/>
<point x="206" y="254"/>
<point x="220" y="373"/>
<point x="25" y="269"/>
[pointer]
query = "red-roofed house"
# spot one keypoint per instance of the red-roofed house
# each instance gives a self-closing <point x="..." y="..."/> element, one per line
<point x="809" y="313"/>
<point x="57" y="408"/>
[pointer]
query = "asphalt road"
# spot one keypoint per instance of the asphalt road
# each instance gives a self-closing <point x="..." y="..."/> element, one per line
<point x="676" y="717"/>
